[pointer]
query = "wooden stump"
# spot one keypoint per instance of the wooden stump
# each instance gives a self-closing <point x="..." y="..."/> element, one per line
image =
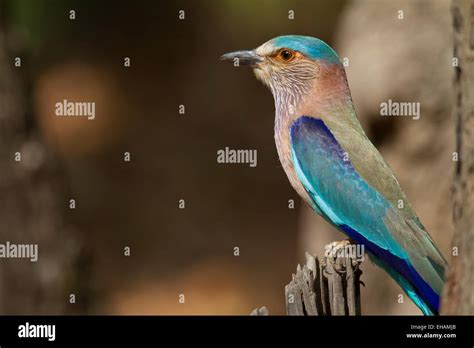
<point x="327" y="287"/>
<point x="260" y="311"/>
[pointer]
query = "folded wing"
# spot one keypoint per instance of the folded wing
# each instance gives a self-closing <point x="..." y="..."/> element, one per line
<point x="398" y="244"/>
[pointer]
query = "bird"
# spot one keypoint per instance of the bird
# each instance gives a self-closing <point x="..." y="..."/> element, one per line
<point x="335" y="168"/>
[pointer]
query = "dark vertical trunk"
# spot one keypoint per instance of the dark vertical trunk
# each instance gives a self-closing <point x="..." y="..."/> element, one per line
<point x="31" y="201"/>
<point x="458" y="294"/>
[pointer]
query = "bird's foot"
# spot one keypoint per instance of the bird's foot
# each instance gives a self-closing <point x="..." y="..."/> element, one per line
<point x="335" y="250"/>
<point x="338" y="254"/>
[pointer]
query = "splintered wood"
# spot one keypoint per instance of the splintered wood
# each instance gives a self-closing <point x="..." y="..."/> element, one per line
<point x="329" y="287"/>
<point x="260" y="311"/>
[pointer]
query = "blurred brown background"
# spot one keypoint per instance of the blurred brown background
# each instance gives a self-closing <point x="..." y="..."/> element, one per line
<point x="118" y="204"/>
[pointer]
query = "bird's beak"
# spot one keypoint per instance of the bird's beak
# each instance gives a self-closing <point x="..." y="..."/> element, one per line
<point x="244" y="57"/>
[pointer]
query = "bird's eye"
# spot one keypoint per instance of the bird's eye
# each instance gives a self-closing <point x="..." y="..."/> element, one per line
<point x="286" y="55"/>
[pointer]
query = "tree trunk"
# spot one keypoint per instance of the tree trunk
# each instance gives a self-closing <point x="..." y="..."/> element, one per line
<point x="32" y="202"/>
<point x="458" y="295"/>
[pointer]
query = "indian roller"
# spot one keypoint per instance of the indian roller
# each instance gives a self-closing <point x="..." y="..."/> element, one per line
<point x="334" y="167"/>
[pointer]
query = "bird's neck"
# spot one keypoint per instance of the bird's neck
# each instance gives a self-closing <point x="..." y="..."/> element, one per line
<point x="327" y="97"/>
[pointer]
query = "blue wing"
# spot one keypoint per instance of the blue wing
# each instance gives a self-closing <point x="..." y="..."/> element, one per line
<point x="346" y="200"/>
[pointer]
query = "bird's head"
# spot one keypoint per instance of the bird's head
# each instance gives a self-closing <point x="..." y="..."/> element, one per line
<point x="289" y="64"/>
